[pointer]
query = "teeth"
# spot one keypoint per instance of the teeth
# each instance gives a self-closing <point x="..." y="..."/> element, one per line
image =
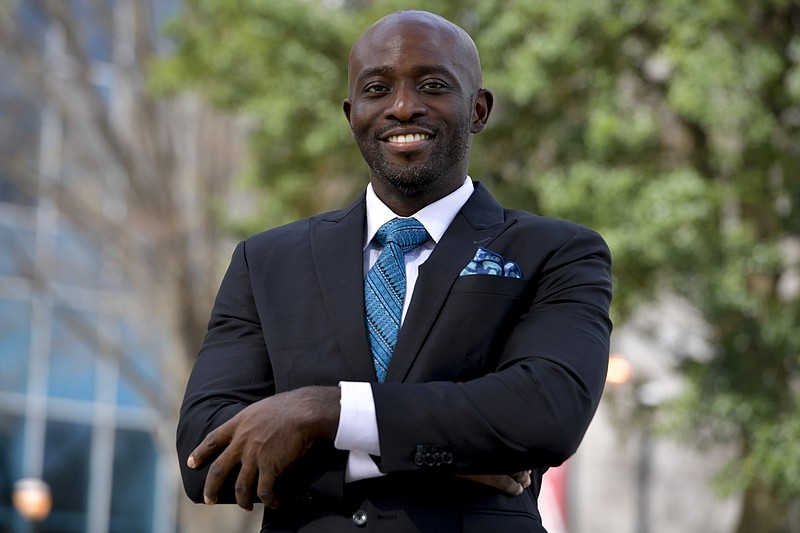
<point x="408" y="138"/>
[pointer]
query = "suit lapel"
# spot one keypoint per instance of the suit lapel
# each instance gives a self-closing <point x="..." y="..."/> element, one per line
<point x="337" y="249"/>
<point x="478" y="223"/>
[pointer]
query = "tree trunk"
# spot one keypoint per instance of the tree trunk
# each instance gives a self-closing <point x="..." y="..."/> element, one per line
<point x="762" y="512"/>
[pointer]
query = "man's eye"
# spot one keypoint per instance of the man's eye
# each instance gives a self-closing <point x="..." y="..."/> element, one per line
<point x="376" y="89"/>
<point x="433" y="85"/>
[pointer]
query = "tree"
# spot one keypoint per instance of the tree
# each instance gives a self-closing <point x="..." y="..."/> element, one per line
<point x="671" y="127"/>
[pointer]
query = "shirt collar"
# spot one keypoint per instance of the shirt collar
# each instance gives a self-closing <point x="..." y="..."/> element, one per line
<point x="436" y="217"/>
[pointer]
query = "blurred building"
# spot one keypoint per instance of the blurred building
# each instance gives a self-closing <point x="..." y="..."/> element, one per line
<point x="81" y="396"/>
<point x="78" y="421"/>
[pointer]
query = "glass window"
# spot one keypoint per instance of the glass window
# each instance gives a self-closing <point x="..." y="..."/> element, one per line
<point x="11" y="431"/>
<point x="134" y="482"/>
<point x="142" y="354"/>
<point x="16" y="251"/>
<point x="15" y="336"/>
<point x="77" y="260"/>
<point x="66" y="469"/>
<point x="72" y="363"/>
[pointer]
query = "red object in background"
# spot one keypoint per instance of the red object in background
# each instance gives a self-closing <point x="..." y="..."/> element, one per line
<point x="553" y="500"/>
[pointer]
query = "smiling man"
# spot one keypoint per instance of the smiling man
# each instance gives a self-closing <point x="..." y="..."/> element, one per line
<point x="414" y="101"/>
<point x="417" y="360"/>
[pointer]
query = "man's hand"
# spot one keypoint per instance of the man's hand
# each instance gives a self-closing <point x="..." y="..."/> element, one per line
<point x="512" y="484"/>
<point x="266" y="438"/>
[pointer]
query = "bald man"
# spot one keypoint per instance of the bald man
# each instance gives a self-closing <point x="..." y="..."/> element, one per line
<point x="417" y="360"/>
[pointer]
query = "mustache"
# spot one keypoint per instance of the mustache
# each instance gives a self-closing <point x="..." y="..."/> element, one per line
<point x="418" y="123"/>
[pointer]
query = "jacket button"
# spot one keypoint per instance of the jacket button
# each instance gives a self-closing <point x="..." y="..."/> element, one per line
<point x="360" y="518"/>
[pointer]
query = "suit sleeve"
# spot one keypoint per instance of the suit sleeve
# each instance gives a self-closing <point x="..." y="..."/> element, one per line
<point x="532" y="409"/>
<point x="232" y="370"/>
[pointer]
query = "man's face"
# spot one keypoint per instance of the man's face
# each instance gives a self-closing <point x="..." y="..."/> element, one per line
<point x="411" y="107"/>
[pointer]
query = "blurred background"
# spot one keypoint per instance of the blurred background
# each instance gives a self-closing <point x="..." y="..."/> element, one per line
<point x="139" y="139"/>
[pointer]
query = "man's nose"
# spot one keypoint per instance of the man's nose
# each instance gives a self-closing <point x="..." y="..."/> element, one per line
<point x="406" y="104"/>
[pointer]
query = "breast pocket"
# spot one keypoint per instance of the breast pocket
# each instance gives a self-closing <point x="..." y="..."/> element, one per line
<point x="486" y="284"/>
<point x="483" y="300"/>
<point x="473" y="324"/>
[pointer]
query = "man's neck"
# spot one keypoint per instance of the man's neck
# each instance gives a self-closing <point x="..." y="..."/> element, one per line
<point x="405" y="204"/>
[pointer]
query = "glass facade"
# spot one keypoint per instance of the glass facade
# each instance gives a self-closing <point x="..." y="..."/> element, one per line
<point x="72" y="408"/>
<point x="77" y="376"/>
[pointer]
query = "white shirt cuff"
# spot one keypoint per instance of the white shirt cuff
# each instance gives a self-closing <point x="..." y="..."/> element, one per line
<point x="358" y="430"/>
<point x="358" y="425"/>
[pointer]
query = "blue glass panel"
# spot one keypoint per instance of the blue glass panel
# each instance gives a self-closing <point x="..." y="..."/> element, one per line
<point x="16" y="251"/>
<point x="11" y="436"/>
<point x="73" y="353"/>
<point x="77" y="260"/>
<point x="15" y="337"/>
<point x="66" y="469"/>
<point x="140" y="378"/>
<point x="134" y="482"/>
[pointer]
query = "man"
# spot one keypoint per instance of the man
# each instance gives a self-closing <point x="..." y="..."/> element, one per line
<point x="306" y="397"/>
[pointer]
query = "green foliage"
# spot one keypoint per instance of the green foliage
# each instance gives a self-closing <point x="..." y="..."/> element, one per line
<point x="671" y="127"/>
<point x="282" y="64"/>
<point x="655" y="227"/>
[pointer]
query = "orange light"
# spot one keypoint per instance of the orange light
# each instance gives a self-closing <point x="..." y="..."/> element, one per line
<point x="32" y="498"/>
<point x="619" y="370"/>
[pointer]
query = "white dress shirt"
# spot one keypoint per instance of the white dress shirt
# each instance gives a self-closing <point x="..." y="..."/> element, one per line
<point x="358" y="425"/>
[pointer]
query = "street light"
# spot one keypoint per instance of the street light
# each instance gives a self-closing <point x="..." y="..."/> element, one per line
<point x="32" y="499"/>
<point x="619" y="370"/>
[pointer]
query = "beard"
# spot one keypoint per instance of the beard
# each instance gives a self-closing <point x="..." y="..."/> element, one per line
<point x="414" y="177"/>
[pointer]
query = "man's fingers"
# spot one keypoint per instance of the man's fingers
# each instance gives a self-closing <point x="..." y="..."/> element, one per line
<point x="217" y="473"/>
<point x="510" y="486"/>
<point x="273" y="433"/>
<point x="266" y="485"/>
<point x="214" y="441"/>
<point x="523" y="478"/>
<point x="244" y="485"/>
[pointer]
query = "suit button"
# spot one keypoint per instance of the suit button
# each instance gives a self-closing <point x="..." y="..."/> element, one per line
<point x="360" y="518"/>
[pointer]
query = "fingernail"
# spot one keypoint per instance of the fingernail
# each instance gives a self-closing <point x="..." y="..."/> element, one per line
<point x="208" y="500"/>
<point x="190" y="462"/>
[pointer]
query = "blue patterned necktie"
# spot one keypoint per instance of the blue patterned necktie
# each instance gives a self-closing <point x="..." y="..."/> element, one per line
<point x="385" y="287"/>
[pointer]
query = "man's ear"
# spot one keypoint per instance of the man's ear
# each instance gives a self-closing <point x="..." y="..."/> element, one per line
<point x="346" y="105"/>
<point x="482" y="109"/>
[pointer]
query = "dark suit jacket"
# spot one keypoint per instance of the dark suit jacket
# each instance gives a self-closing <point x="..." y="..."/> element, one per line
<point x="490" y="374"/>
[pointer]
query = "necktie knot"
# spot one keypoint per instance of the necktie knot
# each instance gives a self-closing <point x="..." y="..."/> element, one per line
<point x="407" y="233"/>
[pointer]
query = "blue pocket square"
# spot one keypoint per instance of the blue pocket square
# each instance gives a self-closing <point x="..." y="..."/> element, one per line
<point x="489" y="263"/>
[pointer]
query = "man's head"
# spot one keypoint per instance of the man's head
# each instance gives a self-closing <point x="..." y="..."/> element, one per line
<point x="414" y="101"/>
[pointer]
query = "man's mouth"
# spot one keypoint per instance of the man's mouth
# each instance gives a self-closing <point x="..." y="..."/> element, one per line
<point x="408" y="138"/>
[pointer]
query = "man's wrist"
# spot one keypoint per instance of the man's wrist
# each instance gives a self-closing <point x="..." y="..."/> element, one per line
<point x="321" y="410"/>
